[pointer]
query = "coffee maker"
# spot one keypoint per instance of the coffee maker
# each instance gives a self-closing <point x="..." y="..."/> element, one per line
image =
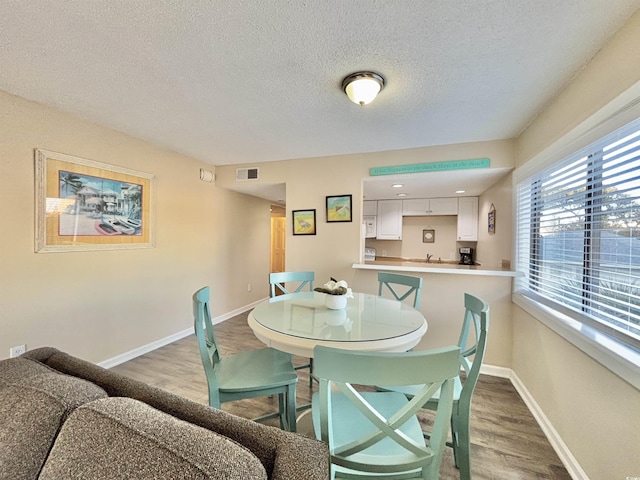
<point x="466" y="256"/>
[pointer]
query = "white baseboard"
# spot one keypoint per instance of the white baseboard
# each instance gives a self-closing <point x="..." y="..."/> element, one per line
<point x="494" y="371"/>
<point x="136" y="352"/>
<point x="569" y="461"/>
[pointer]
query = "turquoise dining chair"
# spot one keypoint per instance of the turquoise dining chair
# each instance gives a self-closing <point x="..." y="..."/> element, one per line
<point x="277" y="282"/>
<point x="391" y="279"/>
<point x="377" y="434"/>
<point x="300" y="280"/>
<point x="256" y="373"/>
<point x="476" y="316"/>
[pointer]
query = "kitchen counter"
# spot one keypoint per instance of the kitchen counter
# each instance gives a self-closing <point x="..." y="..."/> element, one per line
<point x="393" y="264"/>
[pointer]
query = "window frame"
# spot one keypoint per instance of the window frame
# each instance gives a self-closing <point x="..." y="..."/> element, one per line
<point x="608" y="349"/>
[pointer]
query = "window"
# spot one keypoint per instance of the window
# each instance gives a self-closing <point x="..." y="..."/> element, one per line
<point x="578" y="236"/>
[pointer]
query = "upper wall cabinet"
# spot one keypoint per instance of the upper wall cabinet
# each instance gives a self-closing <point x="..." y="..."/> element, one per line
<point x="468" y="219"/>
<point x="430" y="206"/>
<point x="389" y="220"/>
<point x="369" y="208"/>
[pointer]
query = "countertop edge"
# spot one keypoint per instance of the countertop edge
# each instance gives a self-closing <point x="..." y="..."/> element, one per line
<point x="442" y="269"/>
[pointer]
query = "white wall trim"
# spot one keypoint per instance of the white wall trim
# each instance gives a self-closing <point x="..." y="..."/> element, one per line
<point x="495" y="371"/>
<point x="149" y="347"/>
<point x="571" y="464"/>
<point x="623" y="109"/>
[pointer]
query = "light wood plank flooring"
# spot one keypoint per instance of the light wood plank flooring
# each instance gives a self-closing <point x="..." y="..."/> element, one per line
<point x="507" y="443"/>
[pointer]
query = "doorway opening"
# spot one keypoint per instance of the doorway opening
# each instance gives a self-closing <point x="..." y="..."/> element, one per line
<point x="278" y="238"/>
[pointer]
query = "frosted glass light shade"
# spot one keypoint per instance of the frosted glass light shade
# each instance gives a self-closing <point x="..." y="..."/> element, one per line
<point x="362" y="87"/>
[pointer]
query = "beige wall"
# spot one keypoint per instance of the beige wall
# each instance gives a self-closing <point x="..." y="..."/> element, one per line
<point x="441" y="302"/>
<point x="613" y="70"/>
<point x="492" y="249"/>
<point x="596" y="413"/>
<point x="102" y="304"/>
<point x="336" y="246"/>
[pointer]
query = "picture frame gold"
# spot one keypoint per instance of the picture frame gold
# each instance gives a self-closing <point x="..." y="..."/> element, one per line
<point x="339" y="208"/>
<point x="304" y="222"/>
<point x="82" y="204"/>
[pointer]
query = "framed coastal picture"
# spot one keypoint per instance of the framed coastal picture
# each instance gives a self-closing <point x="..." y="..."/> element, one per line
<point x="339" y="208"/>
<point x="86" y="205"/>
<point x="304" y="222"/>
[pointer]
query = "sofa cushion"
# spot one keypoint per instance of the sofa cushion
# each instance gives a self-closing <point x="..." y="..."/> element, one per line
<point x="122" y="438"/>
<point x="34" y="402"/>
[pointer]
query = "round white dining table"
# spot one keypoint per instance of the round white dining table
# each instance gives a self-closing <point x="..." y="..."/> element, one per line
<point x="297" y="322"/>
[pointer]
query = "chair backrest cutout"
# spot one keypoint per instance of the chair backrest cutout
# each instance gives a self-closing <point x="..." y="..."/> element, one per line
<point x="277" y="282"/>
<point x="391" y="279"/>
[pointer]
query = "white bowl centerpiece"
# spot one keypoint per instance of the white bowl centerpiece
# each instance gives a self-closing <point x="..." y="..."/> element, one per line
<point x="336" y="292"/>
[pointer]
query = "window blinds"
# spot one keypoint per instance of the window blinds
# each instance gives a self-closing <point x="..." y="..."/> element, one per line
<point x="578" y="234"/>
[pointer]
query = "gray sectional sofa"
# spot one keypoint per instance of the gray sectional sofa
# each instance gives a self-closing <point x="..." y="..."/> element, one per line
<point x="65" y="418"/>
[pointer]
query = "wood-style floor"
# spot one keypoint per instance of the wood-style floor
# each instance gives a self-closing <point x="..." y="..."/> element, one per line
<point x="507" y="443"/>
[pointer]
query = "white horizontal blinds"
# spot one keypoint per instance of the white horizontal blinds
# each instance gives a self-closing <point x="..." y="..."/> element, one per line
<point x="578" y="233"/>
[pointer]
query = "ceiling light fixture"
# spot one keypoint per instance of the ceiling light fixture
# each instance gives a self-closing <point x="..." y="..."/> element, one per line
<point x="401" y="194"/>
<point x="397" y="185"/>
<point x="460" y="191"/>
<point x="362" y="87"/>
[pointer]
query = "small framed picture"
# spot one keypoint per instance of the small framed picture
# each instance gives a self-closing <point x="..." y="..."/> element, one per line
<point x="492" y="220"/>
<point x="339" y="208"/>
<point x="304" y="222"/>
<point x="428" y="236"/>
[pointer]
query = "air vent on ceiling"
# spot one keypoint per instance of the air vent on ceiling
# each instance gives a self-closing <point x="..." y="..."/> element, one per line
<point x="247" y="174"/>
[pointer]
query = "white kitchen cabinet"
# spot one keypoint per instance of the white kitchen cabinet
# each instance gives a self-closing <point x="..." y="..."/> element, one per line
<point x="415" y="207"/>
<point x="430" y="206"/>
<point x="443" y="206"/>
<point x="389" y="220"/>
<point x="369" y="208"/>
<point x="468" y="219"/>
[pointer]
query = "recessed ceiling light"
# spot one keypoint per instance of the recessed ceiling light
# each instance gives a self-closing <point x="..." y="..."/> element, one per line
<point x="401" y="194"/>
<point x="460" y="191"/>
<point x="397" y="185"/>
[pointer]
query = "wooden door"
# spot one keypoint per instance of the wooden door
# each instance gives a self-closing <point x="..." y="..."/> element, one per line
<point x="278" y="243"/>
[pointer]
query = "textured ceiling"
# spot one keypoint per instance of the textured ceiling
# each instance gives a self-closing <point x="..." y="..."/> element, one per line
<point x="249" y="81"/>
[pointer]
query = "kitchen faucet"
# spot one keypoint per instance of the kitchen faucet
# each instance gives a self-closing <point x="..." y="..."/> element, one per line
<point x="429" y="257"/>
